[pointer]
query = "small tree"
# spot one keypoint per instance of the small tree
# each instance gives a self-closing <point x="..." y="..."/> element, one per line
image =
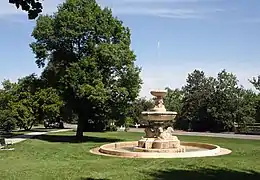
<point x="7" y="120"/>
<point x="23" y="113"/>
<point x="30" y="102"/>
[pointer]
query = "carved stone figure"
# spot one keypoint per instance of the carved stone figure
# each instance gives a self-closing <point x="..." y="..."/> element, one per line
<point x="170" y="130"/>
<point x="159" y="103"/>
<point x="150" y="133"/>
<point x="166" y="134"/>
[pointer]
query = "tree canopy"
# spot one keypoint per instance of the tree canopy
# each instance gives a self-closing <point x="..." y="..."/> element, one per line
<point x="213" y="104"/>
<point x="27" y="103"/>
<point x="33" y="7"/>
<point x="256" y="82"/>
<point x="86" y="52"/>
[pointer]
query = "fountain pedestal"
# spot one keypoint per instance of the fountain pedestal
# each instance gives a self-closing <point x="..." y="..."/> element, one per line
<point x="158" y="139"/>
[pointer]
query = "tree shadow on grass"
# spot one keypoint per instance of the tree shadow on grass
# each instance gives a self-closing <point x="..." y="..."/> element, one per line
<point x="73" y="139"/>
<point x="213" y="173"/>
<point x="93" y="179"/>
<point x="45" y="129"/>
<point x="24" y="133"/>
<point x="10" y="135"/>
<point x="42" y="130"/>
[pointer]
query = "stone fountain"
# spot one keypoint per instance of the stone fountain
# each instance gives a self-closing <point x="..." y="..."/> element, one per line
<point x="157" y="137"/>
<point x="159" y="141"/>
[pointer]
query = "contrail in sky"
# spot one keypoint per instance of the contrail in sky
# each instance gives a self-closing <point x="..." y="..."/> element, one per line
<point x="158" y="49"/>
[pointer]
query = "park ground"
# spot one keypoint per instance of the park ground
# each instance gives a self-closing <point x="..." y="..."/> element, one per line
<point x="57" y="156"/>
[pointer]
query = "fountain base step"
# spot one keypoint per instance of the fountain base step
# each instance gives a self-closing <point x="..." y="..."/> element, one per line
<point x="156" y="143"/>
<point x="179" y="149"/>
<point x="127" y="149"/>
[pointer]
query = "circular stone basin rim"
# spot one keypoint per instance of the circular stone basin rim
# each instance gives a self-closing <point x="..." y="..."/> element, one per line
<point x="110" y="149"/>
<point x="159" y="93"/>
<point x="158" y="113"/>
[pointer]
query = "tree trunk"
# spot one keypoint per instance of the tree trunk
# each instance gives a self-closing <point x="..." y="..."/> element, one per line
<point x="80" y="128"/>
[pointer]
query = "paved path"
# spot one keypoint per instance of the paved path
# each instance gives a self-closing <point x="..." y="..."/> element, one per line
<point x="20" y="138"/>
<point x="222" y="135"/>
<point x="74" y="126"/>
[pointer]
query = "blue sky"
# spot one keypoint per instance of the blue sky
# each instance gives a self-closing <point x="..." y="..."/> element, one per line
<point x="171" y="38"/>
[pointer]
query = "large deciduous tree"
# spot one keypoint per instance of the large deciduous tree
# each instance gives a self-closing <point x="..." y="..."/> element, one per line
<point x="197" y="94"/>
<point x="247" y="105"/>
<point x="256" y="83"/>
<point x="173" y="100"/>
<point x="224" y="102"/>
<point x="86" y="52"/>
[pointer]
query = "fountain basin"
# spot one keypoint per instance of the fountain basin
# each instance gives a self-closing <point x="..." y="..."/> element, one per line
<point x="158" y="116"/>
<point x="131" y="150"/>
<point x="153" y="143"/>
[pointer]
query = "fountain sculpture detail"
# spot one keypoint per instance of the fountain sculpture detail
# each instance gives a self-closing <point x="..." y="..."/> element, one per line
<point x="158" y="139"/>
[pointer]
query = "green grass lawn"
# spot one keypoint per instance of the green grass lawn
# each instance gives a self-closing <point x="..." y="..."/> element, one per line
<point x="59" y="157"/>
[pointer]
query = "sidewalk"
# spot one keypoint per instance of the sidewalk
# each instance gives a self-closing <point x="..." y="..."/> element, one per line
<point x="20" y="138"/>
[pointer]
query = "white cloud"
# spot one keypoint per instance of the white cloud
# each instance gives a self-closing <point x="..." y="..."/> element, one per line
<point x="153" y="1"/>
<point x="150" y="11"/>
<point x="160" y="8"/>
<point x="166" y="13"/>
<point x="120" y="7"/>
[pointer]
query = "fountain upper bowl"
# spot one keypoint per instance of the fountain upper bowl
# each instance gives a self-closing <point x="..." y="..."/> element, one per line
<point x="159" y="93"/>
<point x="158" y="116"/>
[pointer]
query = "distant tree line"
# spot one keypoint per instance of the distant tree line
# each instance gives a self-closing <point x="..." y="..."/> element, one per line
<point x="209" y="104"/>
<point x="214" y="104"/>
<point x="203" y="104"/>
